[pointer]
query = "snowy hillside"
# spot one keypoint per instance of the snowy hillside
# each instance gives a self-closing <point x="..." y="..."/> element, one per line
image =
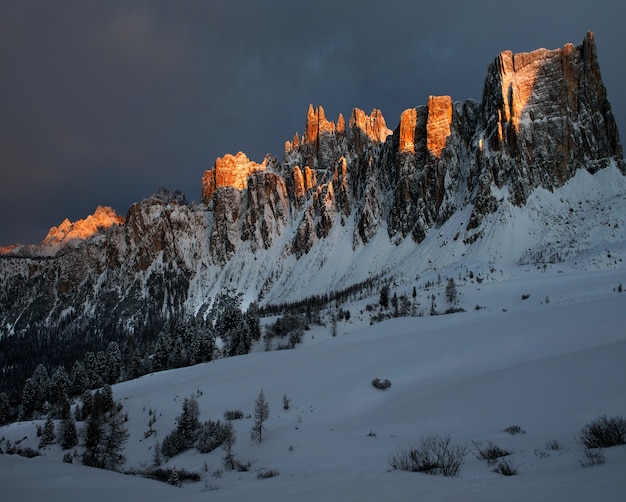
<point x="548" y="368"/>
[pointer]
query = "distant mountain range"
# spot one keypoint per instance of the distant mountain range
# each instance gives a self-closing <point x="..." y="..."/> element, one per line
<point x="533" y="173"/>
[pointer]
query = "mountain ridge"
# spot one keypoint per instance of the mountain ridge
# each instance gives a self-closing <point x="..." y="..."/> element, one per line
<point x="348" y="202"/>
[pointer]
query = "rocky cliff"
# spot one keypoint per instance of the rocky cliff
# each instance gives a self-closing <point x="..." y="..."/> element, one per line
<point x="266" y="229"/>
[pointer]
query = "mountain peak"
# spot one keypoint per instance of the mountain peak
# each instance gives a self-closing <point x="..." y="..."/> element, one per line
<point x="229" y="170"/>
<point x="68" y="231"/>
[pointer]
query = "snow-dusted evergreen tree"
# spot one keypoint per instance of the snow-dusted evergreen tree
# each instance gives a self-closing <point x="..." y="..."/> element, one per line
<point x="188" y="422"/>
<point x="105" y="435"/>
<point x="451" y="293"/>
<point x="78" y="378"/>
<point x="174" y="478"/>
<point x="157" y="460"/>
<point x="69" y="435"/>
<point x="230" y="437"/>
<point x="114" y="362"/>
<point x="48" y="436"/>
<point x="261" y="414"/>
<point x="5" y="409"/>
<point x="384" y="296"/>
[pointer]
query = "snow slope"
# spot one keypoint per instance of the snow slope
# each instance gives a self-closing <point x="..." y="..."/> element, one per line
<point x="547" y="367"/>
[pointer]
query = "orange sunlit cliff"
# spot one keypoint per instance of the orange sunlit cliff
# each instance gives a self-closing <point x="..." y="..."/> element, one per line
<point x="102" y="218"/>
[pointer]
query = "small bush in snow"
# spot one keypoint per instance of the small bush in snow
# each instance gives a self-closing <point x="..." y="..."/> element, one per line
<point x="381" y="384"/>
<point x="592" y="457"/>
<point x="267" y="473"/>
<point x="506" y="468"/>
<point x="233" y="415"/>
<point x="554" y="445"/>
<point x="603" y="432"/>
<point x="432" y="455"/>
<point x="489" y="453"/>
<point x="514" y="430"/>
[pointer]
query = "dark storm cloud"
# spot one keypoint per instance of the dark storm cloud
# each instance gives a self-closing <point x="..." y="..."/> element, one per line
<point x="105" y="101"/>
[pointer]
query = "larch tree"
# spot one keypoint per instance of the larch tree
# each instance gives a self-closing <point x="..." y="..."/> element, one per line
<point x="261" y="414"/>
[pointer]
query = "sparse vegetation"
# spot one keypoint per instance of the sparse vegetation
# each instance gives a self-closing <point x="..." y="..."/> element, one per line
<point x="490" y="453"/>
<point x="592" y="457"/>
<point x="603" y="432"/>
<point x="267" y="473"/>
<point x="431" y="455"/>
<point x="233" y="415"/>
<point x="554" y="445"/>
<point x="514" y="430"/>
<point x="381" y="384"/>
<point x="506" y="468"/>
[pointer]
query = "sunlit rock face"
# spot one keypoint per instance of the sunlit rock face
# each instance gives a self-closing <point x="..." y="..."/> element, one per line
<point x="438" y="123"/>
<point x="408" y="121"/>
<point x="68" y="231"/>
<point x="229" y="170"/>
<point x="365" y="129"/>
<point x="545" y="114"/>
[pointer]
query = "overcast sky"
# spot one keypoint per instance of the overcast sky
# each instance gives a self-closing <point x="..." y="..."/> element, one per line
<point x="102" y="102"/>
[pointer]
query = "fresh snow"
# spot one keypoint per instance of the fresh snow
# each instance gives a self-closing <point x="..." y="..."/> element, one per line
<point x="547" y="367"/>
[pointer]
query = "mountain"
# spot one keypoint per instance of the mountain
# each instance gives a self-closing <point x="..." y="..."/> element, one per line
<point x="532" y="174"/>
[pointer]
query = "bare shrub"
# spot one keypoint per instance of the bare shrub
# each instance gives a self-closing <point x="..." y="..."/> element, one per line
<point x="233" y="415"/>
<point x="514" y="430"/>
<point x="267" y="473"/>
<point x="431" y="455"/>
<point x="489" y="453"/>
<point x="592" y="457"/>
<point x="603" y="432"/>
<point x="554" y="445"/>
<point x="506" y="468"/>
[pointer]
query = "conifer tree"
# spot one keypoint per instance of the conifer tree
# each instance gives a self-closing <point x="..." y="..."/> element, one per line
<point x="114" y="362"/>
<point x="69" y="435"/>
<point x="5" y="409"/>
<point x="230" y="436"/>
<point x="48" y="435"/>
<point x="261" y="414"/>
<point x="451" y="293"/>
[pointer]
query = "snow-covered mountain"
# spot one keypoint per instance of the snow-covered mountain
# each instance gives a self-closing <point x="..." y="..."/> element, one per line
<point x="532" y="174"/>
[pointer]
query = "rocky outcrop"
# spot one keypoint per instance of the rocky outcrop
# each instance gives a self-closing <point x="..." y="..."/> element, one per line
<point x="438" y="123"/>
<point x="367" y="129"/>
<point x="267" y="209"/>
<point x="545" y="114"/>
<point x="230" y="170"/>
<point x="79" y="230"/>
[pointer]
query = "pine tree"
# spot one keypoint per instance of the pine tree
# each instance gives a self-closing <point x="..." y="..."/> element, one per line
<point x="451" y="293"/>
<point x="105" y="436"/>
<point x="261" y="414"/>
<point x="79" y="379"/>
<point x="157" y="460"/>
<point x="188" y="422"/>
<point x="114" y="362"/>
<point x="229" y="442"/>
<point x="69" y="435"/>
<point x="48" y="436"/>
<point x="5" y="409"/>
<point x="174" y="478"/>
<point x="384" y="296"/>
